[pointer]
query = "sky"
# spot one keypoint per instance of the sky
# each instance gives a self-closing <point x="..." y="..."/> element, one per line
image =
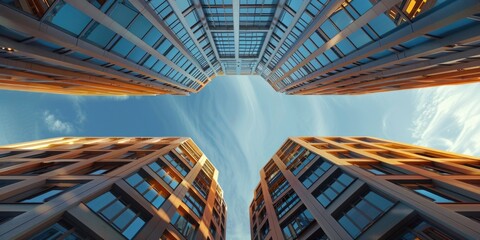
<point x="239" y="122"/>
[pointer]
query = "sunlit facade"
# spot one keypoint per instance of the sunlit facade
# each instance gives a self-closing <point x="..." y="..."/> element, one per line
<point x="147" y="47"/>
<point x="365" y="188"/>
<point x="109" y="188"/>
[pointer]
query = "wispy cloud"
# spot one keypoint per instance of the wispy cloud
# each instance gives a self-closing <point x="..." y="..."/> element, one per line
<point x="54" y="124"/>
<point x="449" y="118"/>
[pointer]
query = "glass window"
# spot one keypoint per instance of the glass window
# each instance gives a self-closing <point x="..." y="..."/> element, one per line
<point x="341" y="19"/>
<point x="363" y="213"/>
<point x="437" y="193"/>
<point x="61" y="230"/>
<point x="433" y="196"/>
<point x="177" y="163"/>
<point x="202" y="184"/>
<point x="423" y="230"/>
<point x="379" y="169"/>
<point x="184" y="225"/>
<point x="68" y="18"/>
<point x="45" y="154"/>
<point x="11" y="153"/>
<point x="382" y="24"/>
<point x="315" y="171"/>
<point x="287" y="202"/>
<point x="264" y="230"/>
<point x="332" y="188"/>
<point x="293" y="228"/>
<point x="166" y="173"/>
<point x="45" y="193"/>
<point x="277" y="187"/>
<point x="119" y="213"/>
<point x="99" y="35"/>
<point x="361" y="6"/>
<point x="194" y="203"/>
<point x="329" y="29"/>
<point x="148" y="188"/>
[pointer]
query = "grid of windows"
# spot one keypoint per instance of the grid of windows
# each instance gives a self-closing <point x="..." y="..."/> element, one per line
<point x="294" y="227"/>
<point x="165" y="173"/>
<point x="61" y="230"/>
<point x="287" y="202"/>
<point x="202" y="184"/>
<point x="148" y="188"/>
<point x="177" y="163"/>
<point x="119" y="213"/>
<point x="194" y="203"/>
<point x="314" y="172"/>
<point x="359" y="215"/>
<point x="437" y="193"/>
<point x="184" y="225"/>
<point x="423" y="230"/>
<point x="45" y="193"/>
<point x="278" y="187"/>
<point x="332" y="188"/>
<point x="264" y="230"/>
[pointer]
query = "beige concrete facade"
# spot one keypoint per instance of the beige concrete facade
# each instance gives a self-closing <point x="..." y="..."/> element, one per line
<point x="109" y="188"/>
<point x="366" y="188"/>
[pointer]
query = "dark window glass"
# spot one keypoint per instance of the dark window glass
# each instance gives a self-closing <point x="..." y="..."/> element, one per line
<point x="278" y="187"/>
<point x="202" y="184"/>
<point x="89" y="154"/>
<point x="11" y="153"/>
<point x="422" y="230"/>
<point x="379" y="169"/>
<point x="313" y="173"/>
<point x="184" y="225"/>
<point x="194" y="203"/>
<point x="45" y="193"/>
<point x="135" y="154"/>
<point x="264" y="230"/>
<point x="148" y="188"/>
<point x="44" y="155"/>
<point x="119" y="213"/>
<point x="116" y="146"/>
<point x="46" y="167"/>
<point x="437" y="169"/>
<point x="4" y="183"/>
<point x="357" y="217"/>
<point x="177" y="163"/>
<point x="332" y="188"/>
<point x="437" y="193"/>
<point x="166" y="173"/>
<point x="293" y="228"/>
<point x="61" y="230"/>
<point x="7" y="216"/>
<point x="287" y="202"/>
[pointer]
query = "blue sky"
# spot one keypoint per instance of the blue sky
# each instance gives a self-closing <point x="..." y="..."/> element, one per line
<point x="239" y="122"/>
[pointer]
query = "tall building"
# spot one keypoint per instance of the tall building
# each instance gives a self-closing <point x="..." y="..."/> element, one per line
<point x="134" y="47"/>
<point x="109" y="188"/>
<point x="366" y="188"/>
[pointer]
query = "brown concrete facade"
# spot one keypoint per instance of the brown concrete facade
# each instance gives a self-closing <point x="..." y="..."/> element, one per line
<point x="366" y="188"/>
<point x="109" y="188"/>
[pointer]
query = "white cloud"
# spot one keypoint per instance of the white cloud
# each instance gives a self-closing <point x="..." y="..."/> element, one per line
<point x="56" y="125"/>
<point x="448" y="118"/>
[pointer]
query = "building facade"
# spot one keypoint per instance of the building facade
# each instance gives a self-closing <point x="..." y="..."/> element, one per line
<point x="109" y="188"/>
<point x="136" y="47"/>
<point x="366" y="188"/>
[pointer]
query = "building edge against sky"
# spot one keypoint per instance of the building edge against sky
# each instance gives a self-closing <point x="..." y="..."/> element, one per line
<point x="365" y="188"/>
<point x="109" y="188"/>
<point x="312" y="47"/>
